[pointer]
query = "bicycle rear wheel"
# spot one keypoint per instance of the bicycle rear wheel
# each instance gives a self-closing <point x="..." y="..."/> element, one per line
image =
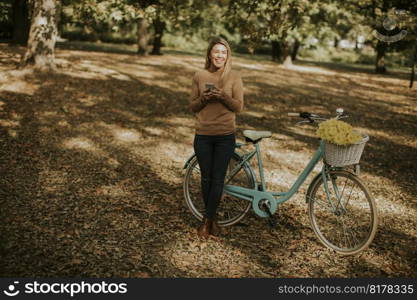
<point x="349" y="225"/>
<point x="231" y="209"/>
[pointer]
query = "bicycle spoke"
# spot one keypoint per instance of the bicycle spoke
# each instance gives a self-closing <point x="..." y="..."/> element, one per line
<point x="341" y="194"/>
<point x="345" y="231"/>
<point x="231" y="209"/>
<point x="351" y="227"/>
<point x="321" y="203"/>
<point x="353" y="230"/>
<point x="347" y="201"/>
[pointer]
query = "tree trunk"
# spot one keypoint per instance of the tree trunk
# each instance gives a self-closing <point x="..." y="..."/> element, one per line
<point x="42" y="36"/>
<point x="251" y="50"/>
<point x="276" y="51"/>
<point x="159" y="27"/>
<point x="381" y="48"/>
<point x="414" y="61"/>
<point x="143" y="36"/>
<point x="336" y="43"/>
<point x="295" y="49"/>
<point x="90" y="33"/>
<point x="59" y="22"/>
<point x="21" y="22"/>
<point x="286" y="54"/>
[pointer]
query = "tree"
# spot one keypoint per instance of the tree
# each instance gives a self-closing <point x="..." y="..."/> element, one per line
<point x="162" y="13"/>
<point x="323" y="20"/>
<point x="413" y="64"/>
<point x="376" y="13"/>
<point x="143" y="36"/>
<point x="101" y="16"/>
<point x="159" y="27"/>
<point x="269" y="20"/>
<point x="21" y="22"/>
<point x="145" y="12"/>
<point x="6" y="19"/>
<point x="42" y="36"/>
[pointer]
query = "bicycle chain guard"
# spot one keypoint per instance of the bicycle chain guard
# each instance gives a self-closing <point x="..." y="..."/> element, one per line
<point x="271" y="202"/>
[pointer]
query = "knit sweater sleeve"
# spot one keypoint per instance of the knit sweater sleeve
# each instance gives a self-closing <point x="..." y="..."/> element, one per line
<point x="195" y="100"/>
<point x="235" y="103"/>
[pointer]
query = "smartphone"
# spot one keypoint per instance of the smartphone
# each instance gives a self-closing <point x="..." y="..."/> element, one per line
<point x="209" y="86"/>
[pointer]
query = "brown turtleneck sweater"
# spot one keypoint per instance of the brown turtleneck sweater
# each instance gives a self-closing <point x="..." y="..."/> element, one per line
<point x="216" y="118"/>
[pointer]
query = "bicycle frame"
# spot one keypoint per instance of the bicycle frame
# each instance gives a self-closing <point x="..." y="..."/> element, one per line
<point x="255" y="196"/>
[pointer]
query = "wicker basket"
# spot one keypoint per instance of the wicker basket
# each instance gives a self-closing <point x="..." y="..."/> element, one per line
<point x="340" y="156"/>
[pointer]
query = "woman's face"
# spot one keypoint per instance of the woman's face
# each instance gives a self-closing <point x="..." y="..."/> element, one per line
<point x="218" y="55"/>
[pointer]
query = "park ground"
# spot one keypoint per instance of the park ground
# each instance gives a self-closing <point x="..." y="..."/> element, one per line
<point x="92" y="157"/>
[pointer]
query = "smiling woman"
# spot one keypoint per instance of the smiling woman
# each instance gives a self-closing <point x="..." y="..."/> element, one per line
<point x="216" y="96"/>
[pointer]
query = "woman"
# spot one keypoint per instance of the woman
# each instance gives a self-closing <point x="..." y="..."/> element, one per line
<point x="216" y="96"/>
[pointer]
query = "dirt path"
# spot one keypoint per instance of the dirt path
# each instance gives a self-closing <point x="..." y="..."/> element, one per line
<point x="91" y="162"/>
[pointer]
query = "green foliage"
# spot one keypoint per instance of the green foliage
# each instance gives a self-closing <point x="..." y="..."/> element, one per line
<point x="365" y="56"/>
<point x="198" y="42"/>
<point x="179" y="41"/>
<point x="99" y="16"/>
<point x="189" y="24"/>
<point x="6" y="22"/>
<point x="267" y="19"/>
<point x="78" y="34"/>
<point x="331" y="54"/>
<point x="5" y="11"/>
<point x="104" y="20"/>
<point x="400" y="58"/>
<point x="115" y="20"/>
<point x="374" y="12"/>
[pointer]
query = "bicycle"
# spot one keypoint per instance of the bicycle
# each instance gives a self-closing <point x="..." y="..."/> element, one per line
<point x="346" y="225"/>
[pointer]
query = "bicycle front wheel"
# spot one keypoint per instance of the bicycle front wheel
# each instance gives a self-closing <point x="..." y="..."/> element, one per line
<point x="231" y="209"/>
<point x="346" y="221"/>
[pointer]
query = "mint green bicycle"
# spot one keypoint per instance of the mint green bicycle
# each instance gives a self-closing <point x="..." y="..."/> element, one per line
<point x="341" y="210"/>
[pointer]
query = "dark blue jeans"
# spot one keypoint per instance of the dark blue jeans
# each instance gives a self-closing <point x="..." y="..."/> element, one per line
<point x="213" y="154"/>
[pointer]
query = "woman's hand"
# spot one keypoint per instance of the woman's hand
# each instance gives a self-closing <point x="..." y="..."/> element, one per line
<point x="216" y="95"/>
<point x="205" y="97"/>
<point x="209" y="96"/>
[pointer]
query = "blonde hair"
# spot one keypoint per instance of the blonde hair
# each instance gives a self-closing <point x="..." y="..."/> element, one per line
<point x="228" y="64"/>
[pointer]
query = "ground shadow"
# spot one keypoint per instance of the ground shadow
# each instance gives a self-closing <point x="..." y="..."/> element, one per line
<point x="83" y="197"/>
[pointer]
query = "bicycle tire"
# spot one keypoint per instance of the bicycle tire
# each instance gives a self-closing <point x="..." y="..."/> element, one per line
<point x="359" y="216"/>
<point x="225" y="217"/>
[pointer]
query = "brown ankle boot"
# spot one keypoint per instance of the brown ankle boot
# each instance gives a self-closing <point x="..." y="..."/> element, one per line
<point x="215" y="228"/>
<point x="204" y="229"/>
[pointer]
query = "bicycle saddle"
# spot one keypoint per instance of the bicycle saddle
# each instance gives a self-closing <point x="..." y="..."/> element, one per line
<point x="254" y="136"/>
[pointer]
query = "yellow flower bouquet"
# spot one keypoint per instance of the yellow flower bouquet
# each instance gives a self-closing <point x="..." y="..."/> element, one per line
<point x="338" y="132"/>
<point x="343" y="146"/>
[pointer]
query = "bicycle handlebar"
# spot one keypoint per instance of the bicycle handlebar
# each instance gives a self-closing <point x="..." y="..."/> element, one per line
<point x="305" y="115"/>
<point x="313" y="117"/>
